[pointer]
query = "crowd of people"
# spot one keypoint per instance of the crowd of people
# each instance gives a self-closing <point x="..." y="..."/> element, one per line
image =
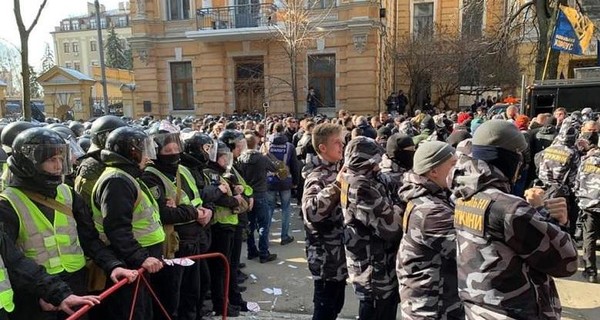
<point x="450" y="215"/>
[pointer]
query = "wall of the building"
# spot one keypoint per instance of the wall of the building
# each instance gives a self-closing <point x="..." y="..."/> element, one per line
<point x="357" y="76"/>
<point x="114" y="79"/>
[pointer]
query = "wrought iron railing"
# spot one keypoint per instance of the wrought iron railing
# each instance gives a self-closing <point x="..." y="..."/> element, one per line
<point x="235" y="17"/>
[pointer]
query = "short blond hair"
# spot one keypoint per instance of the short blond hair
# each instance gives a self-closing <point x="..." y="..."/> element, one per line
<point x="322" y="132"/>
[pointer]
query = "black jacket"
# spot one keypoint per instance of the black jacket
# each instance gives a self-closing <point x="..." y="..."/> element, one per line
<point x="116" y="198"/>
<point x="28" y="277"/>
<point x="253" y="167"/>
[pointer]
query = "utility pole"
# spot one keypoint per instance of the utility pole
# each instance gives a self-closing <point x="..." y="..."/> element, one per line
<point x="102" y="65"/>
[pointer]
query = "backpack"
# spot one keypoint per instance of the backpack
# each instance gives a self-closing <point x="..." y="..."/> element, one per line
<point x="283" y="171"/>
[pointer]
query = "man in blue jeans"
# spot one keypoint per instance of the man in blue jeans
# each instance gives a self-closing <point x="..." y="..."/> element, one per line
<point x="254" y="167"/>
<point x="284" y="179"/>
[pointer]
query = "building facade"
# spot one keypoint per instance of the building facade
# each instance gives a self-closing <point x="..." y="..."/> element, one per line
<point x="76" y="38"/>
<point x="225" y="56"/>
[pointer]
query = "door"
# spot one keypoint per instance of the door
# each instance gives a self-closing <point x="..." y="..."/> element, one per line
<point x="247" y="13"/>
<point x="249" y="84"/>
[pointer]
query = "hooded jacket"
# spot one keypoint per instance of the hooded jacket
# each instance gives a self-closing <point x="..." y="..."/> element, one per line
<point x="371" y="231"/>
<point x="286" y="152"/>
<point x="392" y="173"/>
<point x="587" y="186"/>
<point x="323" y="221"/>
<point x="507" y="251"/>
<point x="426" y="260"/>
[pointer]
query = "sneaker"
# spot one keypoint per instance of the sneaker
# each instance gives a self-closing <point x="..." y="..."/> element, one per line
<point x="241" y="265"/>
<point x="590" y="275"/>
<point x="241" y="277"/>
<point x="268" y="258"/>
<point x="252" y="256"/>
<point x="287" y="240"/>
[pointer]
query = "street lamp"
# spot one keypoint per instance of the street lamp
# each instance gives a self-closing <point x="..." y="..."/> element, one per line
<point x="101" y="51"/>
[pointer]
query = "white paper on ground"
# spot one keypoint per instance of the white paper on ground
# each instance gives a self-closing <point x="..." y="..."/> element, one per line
<point x="253" y="306"/>
<point x="268" y="290"/>
<point x="253" y="276"/>
<point x="296" y="231"/>
<point x="277" y="291"/>
<point x="280" y="263"/>
<point x="292" y="266"/>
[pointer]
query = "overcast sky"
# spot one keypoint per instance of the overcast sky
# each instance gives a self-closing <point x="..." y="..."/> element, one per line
<point x="54" y="11"/>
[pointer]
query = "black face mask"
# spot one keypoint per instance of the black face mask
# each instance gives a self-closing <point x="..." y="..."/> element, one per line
<point x="404" y="158"/>
<point x="168" y="160"/>
<point x="508" y="162"/>
<point x="591" y="137"/>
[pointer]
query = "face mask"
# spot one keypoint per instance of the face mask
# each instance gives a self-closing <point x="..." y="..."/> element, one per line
<point x="591" y="137"/>
<point x="168" y="159"/>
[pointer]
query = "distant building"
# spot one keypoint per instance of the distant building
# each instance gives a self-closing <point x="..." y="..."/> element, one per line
<point x="76" y="38"/>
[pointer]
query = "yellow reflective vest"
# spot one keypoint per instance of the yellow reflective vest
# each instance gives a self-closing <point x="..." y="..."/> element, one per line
<point x="54" y="245"/>
<point x="146" y="225"/>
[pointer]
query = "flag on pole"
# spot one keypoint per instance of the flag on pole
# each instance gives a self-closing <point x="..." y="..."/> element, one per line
<point x="573" y="32"/>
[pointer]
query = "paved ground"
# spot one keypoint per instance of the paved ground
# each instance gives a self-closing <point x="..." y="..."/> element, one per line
<point x="581" y="300"/>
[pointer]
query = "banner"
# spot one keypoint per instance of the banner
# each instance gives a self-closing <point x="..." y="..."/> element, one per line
<point x="573" y="32"/>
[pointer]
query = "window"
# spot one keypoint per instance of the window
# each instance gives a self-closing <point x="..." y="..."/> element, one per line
<point x="75" y="46"/>
<point x="182" y="87"/>
<point x="75" y="24"/>
<point x="472" y="18"/>
<point x="103" y="23"/>
<point x="122" y="22"/>
<point x="93" y="45"/>
<point x="323" y="4"/>
<point x="76" y="66"/>
<point x="178" y="9"/>
<point x="93" y="23"/>
<point x="423" y="19"/>
<point x="321" y="76"/>
<point x="66" y="25"/>
<point x="68" y="65"/>
<point x="94" y="62"/>
<point x="66" y="47"/>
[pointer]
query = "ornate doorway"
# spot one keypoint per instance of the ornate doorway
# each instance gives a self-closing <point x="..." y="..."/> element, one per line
<point x="249" y="84"/>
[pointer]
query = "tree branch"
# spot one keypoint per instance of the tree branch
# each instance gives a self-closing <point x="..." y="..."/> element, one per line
<point x="37" y="16"/>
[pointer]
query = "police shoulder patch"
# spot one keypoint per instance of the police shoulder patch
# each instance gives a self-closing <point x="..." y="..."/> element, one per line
<point x="155" y="192"/>
<point x="469" y="215"/>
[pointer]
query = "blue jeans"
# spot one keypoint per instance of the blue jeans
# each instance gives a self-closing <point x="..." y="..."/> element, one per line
<point x="285" y="196"/>
<point x="260" y="220"/>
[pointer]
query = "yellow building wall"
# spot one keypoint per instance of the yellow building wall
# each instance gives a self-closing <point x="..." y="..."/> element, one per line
<point x="357" y="74"/>
<point x="114" y="79"/>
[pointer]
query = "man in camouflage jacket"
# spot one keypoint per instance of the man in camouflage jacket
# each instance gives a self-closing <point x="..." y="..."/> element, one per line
<point x="508" y="249"/>
<point x="372" y="232"/>
<point x="397" y="159"/>
<point x="587" y="189"/>
<point x="558" y="166"/>
<point x="323" y="223"/>
<point x="426" y="261"/>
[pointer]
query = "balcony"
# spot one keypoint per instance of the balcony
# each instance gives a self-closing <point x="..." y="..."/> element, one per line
<point x="233" y="23"/>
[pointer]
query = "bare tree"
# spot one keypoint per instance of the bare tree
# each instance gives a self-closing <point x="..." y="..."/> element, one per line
<point x="299" y="26"/>
<point x="24" y="33"/>
<point x="446" y="62"/>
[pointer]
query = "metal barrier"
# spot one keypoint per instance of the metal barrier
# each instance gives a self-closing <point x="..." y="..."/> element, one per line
<point x="141" y="278"/>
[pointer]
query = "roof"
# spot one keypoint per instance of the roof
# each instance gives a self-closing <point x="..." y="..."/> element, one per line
<point x="76" y="74"/>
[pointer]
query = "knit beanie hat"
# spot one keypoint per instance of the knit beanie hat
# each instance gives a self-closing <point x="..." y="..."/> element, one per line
<point x="396" y="143"/>
<point x="431" y="154"/>
<point x="501" y="134"/>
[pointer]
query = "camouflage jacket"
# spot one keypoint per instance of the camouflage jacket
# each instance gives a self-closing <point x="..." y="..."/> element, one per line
<point x="426" y="261"/>
<point x="323" y="221"/>
<point x="391" y="174"/>
<point x="507" y="251"/>
<point x="587" y="186"/>
<point x="371" y="233"/>
<point x="557" y="165"/>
